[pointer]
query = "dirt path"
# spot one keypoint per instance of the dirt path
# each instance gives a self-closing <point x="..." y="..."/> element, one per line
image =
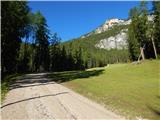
<point x="36" y="97"/>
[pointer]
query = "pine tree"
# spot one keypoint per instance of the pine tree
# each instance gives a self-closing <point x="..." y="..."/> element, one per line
<point x="156" y="31"/>
<point x="79" y="61"/>
<point x="138" y="32"/>
<point x="55" y="52"/>
<point x="63" y="59"/>
<point x="14" y="20"/>
<point x="132" y="40"/>
<point x="42" y="51"/>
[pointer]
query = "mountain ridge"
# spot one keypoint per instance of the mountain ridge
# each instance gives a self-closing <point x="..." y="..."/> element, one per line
<point x="109" y="23"/>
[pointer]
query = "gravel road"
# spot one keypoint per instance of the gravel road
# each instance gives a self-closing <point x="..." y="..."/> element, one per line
<point x="36" y="97"/>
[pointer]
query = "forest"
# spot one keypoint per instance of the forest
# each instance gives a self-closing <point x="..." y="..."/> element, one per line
<point x="95" y="57"/>
<point x="27" y="44"/>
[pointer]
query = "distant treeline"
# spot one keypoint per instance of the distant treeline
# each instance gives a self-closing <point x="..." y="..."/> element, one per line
<point x="55" y="59"/>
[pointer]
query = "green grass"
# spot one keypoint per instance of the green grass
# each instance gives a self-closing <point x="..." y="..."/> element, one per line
<point x="9" y="79"/>
<point x="127" y="89"/>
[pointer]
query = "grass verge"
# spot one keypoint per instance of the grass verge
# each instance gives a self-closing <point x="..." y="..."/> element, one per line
<point x="9" y="79"/>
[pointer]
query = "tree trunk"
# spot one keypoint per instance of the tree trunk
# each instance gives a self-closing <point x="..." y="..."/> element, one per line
<point x="142" y="53"/>
<point x="154" y="47"/>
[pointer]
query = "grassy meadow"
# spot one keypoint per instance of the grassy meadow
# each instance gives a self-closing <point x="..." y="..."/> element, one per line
<point x="132" y="90"/>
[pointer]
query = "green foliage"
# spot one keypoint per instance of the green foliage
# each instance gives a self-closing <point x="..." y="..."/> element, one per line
<point x="63" y="61"/>
<point x="142" y="24"/>
<point x="156" y="13"/>
<point x="24" y="58"/>
<point x="141" y="31"/>
<point x="14" y="21"/>
<point x="42" y="52"/>
<point x="133" y="43"/>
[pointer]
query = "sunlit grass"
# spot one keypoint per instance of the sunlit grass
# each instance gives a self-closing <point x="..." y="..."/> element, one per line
<point x="128" y="89"/>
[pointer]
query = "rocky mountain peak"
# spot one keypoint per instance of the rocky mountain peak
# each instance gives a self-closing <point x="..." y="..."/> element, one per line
<point x="110" y="23"/>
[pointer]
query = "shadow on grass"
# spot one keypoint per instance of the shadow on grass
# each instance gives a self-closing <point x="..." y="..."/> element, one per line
<point x="155" y="110"/>
<point x="60" y="77"/>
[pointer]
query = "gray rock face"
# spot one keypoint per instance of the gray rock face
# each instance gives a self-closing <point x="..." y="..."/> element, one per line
<point x="114" y="42"/>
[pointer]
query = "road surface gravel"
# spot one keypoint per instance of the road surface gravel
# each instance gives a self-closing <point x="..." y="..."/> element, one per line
<point x="34" y="96"/>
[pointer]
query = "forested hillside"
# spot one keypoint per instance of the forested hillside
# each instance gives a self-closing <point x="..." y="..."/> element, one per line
<point x="93" y="56"/>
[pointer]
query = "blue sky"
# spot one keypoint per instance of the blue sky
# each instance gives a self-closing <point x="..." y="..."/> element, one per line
<point x="73" y="19"/>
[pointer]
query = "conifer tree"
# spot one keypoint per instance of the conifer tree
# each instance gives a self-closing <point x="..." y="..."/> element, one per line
<point x="132" y="40"/>
<point x="14" y="20"/>
<point x="42" y="51"/>
<point x="156" y="31"/>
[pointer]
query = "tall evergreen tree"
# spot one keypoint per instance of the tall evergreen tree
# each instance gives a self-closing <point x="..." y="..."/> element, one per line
<point x="42" y="51"/>
<point x="14" y="21"/>
<point x="156" y="31"/>
<point x="132" y="40"/>
<point x="138" y="29"/>
<point x="63" y="61"/>
<point x="79" y="60"/>
<point x="55" y="52"/>
<point x="142" y="27"/>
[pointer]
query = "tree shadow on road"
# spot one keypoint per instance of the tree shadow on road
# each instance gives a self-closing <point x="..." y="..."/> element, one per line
<point x="32" y="98"/>
<point x="61" y="77"/>
<point x="31" y="80"/>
